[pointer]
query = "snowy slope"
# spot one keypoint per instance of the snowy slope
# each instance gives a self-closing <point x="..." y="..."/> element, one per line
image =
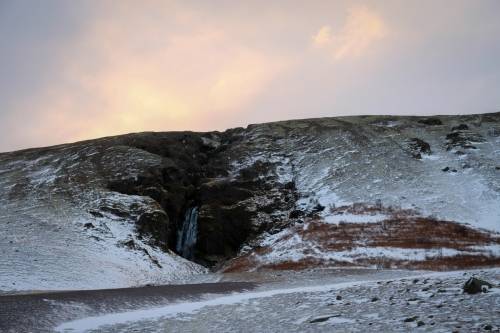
<point x="371" y="195"/>
<point x="341" y="161"/>
<point x="370" y="191"/>
<point x="51" y="236"/>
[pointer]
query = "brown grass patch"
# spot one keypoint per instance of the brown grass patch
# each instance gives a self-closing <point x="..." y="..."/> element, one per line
<point x="403" y="229"/>
<point x="408" y="232"/>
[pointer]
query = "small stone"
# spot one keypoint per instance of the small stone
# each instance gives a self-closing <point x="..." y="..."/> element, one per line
<point x="410" y="319"/>
<point x="488" y="327"/>
<point x="420" y="323"/>
<point x="324" y="318"/>
<point x="338" y="298"/>
<point x="374" y="299"/>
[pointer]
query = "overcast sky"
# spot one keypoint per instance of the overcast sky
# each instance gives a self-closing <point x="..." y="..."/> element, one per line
<point x="72" y="70"/>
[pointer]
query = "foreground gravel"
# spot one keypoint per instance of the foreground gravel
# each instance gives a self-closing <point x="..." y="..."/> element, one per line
<point x="42" y="312"/>
<point x="427" y="302"/>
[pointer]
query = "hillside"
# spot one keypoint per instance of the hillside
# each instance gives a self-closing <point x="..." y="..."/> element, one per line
<point x="376" y="191"/>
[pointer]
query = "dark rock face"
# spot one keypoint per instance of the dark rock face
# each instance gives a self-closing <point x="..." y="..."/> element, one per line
<point x="194" y="172"/>
<point x="173" y="185"/>
<point x="476" y="286"/>
<point x="461" y="137"/>
<point x="230" y="206"/>
<point x="461" y="127"/>
<point x="431" y="121"/>
<point x="157" y="225"/>
<point x="417" y="147"/>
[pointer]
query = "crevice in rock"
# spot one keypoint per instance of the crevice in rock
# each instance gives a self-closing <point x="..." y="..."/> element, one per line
<point x="230" y="210"/>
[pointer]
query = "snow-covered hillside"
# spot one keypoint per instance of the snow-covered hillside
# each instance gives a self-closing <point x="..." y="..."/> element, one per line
<point x="371" y="191"/>
<point x="60" y="228"/>
<point x="341" y="161"/>
<point x="383" y="190"/>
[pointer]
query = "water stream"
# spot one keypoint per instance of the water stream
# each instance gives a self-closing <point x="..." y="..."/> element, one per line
<point x="186" y="238"/>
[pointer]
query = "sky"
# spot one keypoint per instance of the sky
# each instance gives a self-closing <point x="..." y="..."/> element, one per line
<point x="74" y="70"/>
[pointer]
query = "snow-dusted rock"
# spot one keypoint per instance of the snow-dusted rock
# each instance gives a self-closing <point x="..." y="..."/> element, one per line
<point x="351" y="190"/>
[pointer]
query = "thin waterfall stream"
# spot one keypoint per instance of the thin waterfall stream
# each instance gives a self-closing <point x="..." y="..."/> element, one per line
<point x="186" y="238"/>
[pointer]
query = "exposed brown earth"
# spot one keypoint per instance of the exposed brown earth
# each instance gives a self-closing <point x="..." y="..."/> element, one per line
<point x="403" y="229"/>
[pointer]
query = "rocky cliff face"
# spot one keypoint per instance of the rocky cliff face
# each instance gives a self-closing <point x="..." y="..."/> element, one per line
<point x="339" y="191"/>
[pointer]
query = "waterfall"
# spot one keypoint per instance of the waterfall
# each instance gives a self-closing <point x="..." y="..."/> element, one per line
<point x="186" y="238"/>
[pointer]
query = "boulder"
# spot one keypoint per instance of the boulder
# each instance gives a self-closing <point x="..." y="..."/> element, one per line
<point x="475" y="286"/>
<point x="461" y="127"/>
<point x="417" y="147"/>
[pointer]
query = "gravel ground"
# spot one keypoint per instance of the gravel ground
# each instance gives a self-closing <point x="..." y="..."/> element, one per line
<point x="41" y="312"/>
<point x="383" y="301"/>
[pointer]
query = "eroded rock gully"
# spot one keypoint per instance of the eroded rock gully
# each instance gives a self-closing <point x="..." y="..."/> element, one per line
<point x="196" y="172"/>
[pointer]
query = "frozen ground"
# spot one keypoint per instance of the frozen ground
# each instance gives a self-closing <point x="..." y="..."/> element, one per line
<point x="378" y="301"/>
